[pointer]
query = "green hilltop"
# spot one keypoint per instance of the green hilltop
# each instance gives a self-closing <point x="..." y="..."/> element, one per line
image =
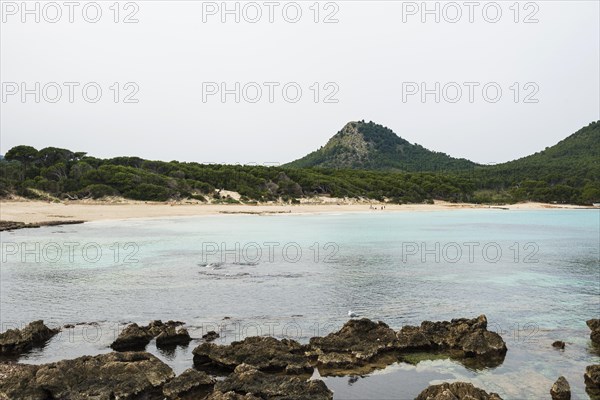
<point x="367" y="145"/>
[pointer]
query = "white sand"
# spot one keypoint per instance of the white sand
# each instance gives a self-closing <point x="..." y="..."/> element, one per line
<point x="40" y="211"/>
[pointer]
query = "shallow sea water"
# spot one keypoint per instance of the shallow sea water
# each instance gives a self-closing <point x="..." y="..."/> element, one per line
<point x="535" y="274"/>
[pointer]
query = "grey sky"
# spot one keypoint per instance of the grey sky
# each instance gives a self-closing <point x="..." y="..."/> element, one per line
<point x="370" y="55"/>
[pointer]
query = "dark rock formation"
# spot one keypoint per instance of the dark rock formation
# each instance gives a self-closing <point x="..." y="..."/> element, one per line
<point x="171" y="337"/>
<point x="469" y="336"/>
<point x="106" y="376"/>
<point x="157" y="327"/>
<point x="592" y="381"/>
<point x="12" y="225"/>
<point x="210" y="336"/>
<point x="132" y="338"/>
<point x="218" y="395"/>
<point x="359" y="341"/>
<point x="456" y="391"/>
<point x="264" y="353"/>
<point x="559" y="344"/>
<point x="248" y="380"/>
<point x="190" y="385"/>
<point x="17" y="341"/>
<point x="365" y="345"/>
<point x="136" y="338"/>
<point x="561" y="389"/>
<point x="594" y="325"/>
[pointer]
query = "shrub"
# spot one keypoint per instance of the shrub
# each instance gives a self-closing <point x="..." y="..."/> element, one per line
<point x="149" y="192"/>
<point x="98" y="190"/>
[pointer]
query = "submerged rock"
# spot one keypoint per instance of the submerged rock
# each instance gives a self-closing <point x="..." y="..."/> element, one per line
<point x="248" y="380"/>
<point x="561" y="389"/>
<point x="264" y="353"/>
<point x="106" y="376"/>
<point x="210" y="336"/>
<point x="559" y="344"/>
<point x="592" y="381"/>
<point x="17" y="341"/>
<point x="594" y="325"/>
<point x="456" y="391"/>
<point x="191" y="384"/>
<point x="357" y="342"/>
<point x="218" y="395"/>
<point x="470" y="336"/>
<point x="132" y="338"/>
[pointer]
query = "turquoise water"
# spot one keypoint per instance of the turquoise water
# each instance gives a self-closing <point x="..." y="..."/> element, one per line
<point x="535" y="274"/>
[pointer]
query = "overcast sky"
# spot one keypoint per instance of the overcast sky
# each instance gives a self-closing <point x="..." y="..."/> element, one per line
<point x="371" y="64"/>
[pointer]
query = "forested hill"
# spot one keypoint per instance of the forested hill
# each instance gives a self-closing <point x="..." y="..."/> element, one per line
<point x="568" y="170"/>
<point x="367" y="145"/>
<point x="579" y="154"/>
<point x="566" y="173"/>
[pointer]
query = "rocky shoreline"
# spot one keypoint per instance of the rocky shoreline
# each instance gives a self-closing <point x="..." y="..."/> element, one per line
<point x="257" y="367"/>
<point x="13" y="225"/>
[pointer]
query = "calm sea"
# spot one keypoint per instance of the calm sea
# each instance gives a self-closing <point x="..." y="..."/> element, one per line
<point x="535" y="274"/>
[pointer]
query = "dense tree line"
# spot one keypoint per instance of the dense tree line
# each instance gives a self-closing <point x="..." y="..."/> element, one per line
<point x="67" y="174"/>
<point x="566" y="173"/>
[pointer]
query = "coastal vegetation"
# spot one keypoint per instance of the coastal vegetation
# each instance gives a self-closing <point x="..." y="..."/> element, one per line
<point x="568" y="172"/>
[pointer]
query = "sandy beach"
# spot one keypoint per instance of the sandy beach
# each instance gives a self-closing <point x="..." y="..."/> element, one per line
<point x="41" y="211"/>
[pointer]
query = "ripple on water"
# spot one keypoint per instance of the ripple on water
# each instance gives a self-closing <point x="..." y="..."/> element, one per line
<point x="529" y="304"/>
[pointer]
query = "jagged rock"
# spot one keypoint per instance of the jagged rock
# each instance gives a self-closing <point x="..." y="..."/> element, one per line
<point x="132" y="338"/>
<point x="559" y="344"/>
<point x="191" y="384"/>
<point x="135" y="337"/>
<point x="561" y="389"/>
<point x="264" y="353"/>
<point x="12" y="225"/>
<point x="470" y="336"/>
<point x="218" y="395"/>
<point x="247" y="379"/>
<point x="456" y="391"/>
<point x="14" y="382"/>
<point x="413" y="338"/>
<point x="359" y="341"/>
<point x="171" y="337"/>
<point x="157" y="327"/>
<point x="592" y="381"/>
<point x="17" y="341"/>
<point x="210" y="336"/>
<point x="107" y="376"/>
<point x="240" y="369"/>
<point x="594" y="325"/>
<point x="483" y="343"/>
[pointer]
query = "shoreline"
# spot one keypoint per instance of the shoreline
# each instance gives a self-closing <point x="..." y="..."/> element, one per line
<point x="361" y="346"/>
<point x="43" y="212"/>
